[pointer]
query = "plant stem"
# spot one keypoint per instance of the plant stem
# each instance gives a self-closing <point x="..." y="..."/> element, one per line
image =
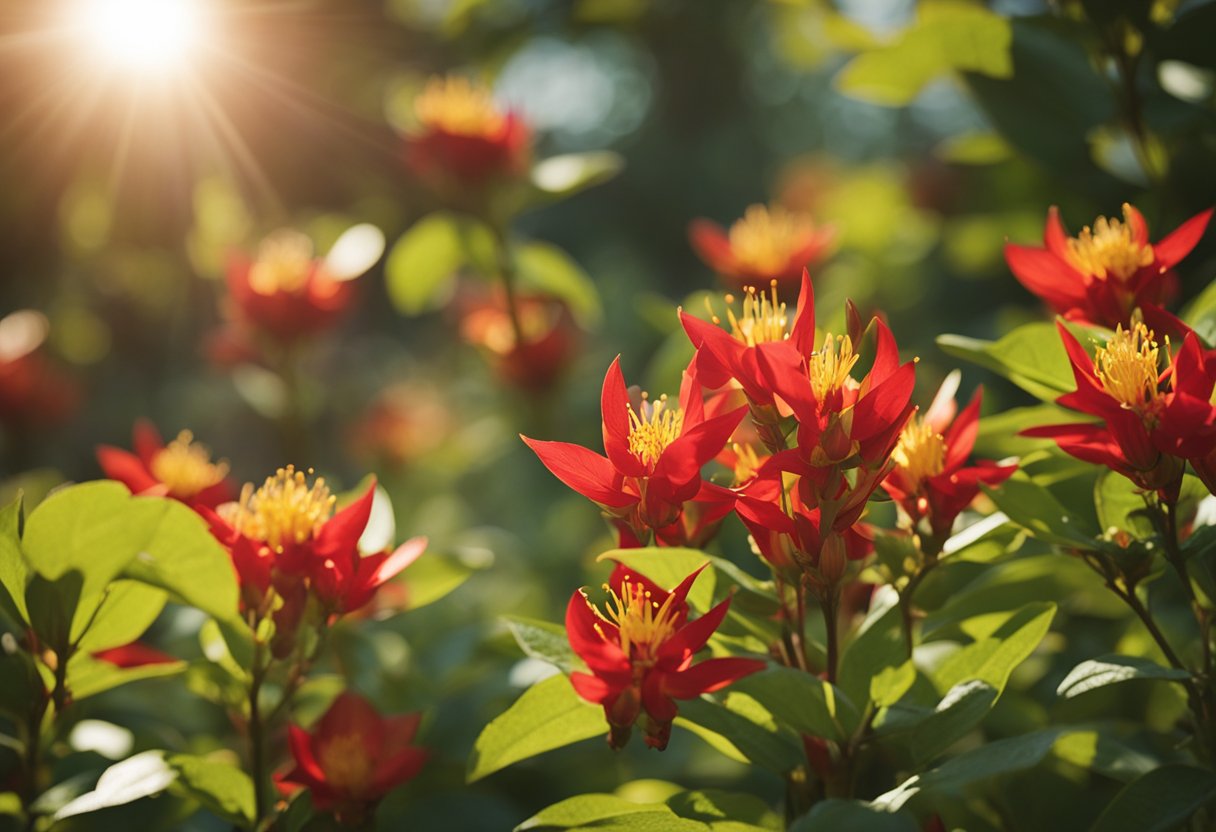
<point x="257" y="737"/>
<point x="831" y="621"/>
<point x="509" y="275"/>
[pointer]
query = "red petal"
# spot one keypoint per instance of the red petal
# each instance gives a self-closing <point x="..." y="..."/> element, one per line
<point x="147" y="441"/>
<point x="1135" y="222"/>
<point x="692" y="636"/>
<point x="883" y="406"/>
<point x="614" y="410"/>
<point x="1054" y="235"/>
<point x="590" y="643"/>
<point x="1047" y="276"/>
<point x="397" y="769"/>
<point x="1178" y="243"/>
<point x="708" y="676"/>
<point x="592" y="688"/>
<point x="340" y="534"/>
<point x="960" y="438"/>
<point x="711" y="244"/>
<point x="681" y="461"/>
<point x="126" y="468"/>
<point x="802" y="333"/>
<point x="583" y="470"/>
<point x="300" y="742"/>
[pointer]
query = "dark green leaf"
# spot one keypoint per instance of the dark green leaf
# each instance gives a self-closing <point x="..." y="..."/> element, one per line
<point x="1110" y="670"/>
<point x="742" y="730"/>
<point x="800" y="701"/>
<point x="543" y="640"/>
<point x="1159" y="801"/>
<point x="835" y="815"/>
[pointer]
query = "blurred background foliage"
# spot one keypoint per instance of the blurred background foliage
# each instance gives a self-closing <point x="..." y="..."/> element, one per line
<point x="928" y="133"/>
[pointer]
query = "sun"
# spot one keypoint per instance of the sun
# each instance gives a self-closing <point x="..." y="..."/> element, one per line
<point x="143" y="36"/>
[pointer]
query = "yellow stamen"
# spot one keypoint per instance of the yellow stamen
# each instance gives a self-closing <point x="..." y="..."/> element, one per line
<point x="285" y="510"/>
<point x="186" y="467"/>
<point x="652" y="428"/>
<point x="921" y="452"/>
<point x="1127" y="367"/>
<point x="344" y="760"/>
<point x="762" y="319"/>
<point x="1108" y="249"/>
<point x="643" y="623"/>
<point x="829" y="367"/>
<point x="460" y="106"/>
<point x="285" y="259"/>
<point x="747" y="462"/>
<point x="765" y="238"/>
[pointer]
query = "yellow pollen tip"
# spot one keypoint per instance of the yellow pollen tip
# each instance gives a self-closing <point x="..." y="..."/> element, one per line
<point x="643" y="623"/>
<point x="186" y="467"/>
<point x="921" y="451"/>
<point x="1127" y="368"/>
<point x="652" y="427"/>
<point x="459" y="106"/>
<point x="348" y="768"/>
<point x="283" y="264"/>
<point x="1108" y="249"/>
<point x="765" y="239"/>
<point x="285" y="510"/>
<point x="829" y="367"/>
<point x="761" y="320"/>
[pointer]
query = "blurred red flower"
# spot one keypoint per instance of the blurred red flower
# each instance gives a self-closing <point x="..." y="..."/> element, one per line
<point x="767" y="244"/>
<point x="640" y="654"/>
<point x="285" y="291"/>
<point x="134" y="654"/>
<point x="463" y="137"/>
<point x="549" y="340"/>
<point x="181" y="469"/>
<point x="1106" y="271"/>
<point x="35" y="392"/>
<point x="353" y="758"/>
<point x="1152" y="417"/>
<point x="929" y="481"/>
<point x="654" y="455"/>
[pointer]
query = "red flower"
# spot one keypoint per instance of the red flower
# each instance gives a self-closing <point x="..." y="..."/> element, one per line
<point x="723" y="356"/>
<point x="181" y="469"/>
<point x="463" y="137"/>
<point x="654" y="455"/>
<point x="765" y="245"/>
<point x="1152" y="418"/>
<point x="640" y="654"/>
<point x="929" y="481"/>
<point x="549" y="337"/>
<point x="353" y="758"/>
<point x="1106" y="271"/>
<point x="35" y="393"/>
<point x="285" y="292"/>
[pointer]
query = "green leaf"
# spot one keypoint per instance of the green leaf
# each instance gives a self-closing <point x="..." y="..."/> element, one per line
<point x="1159" y="801"/>
<point x="998" y="436"/>
<point x="545" y="641"/>
<point x="186" y="560"/>
<point x="13" y="573"/>
<point x="544" y="267"/>
<point x="549" y="715"/>
<point x="1111" y="670"/>
<point x="422" y="264"/>
<point x="880" y="646"/>
<point x="126" y="611"/>
<point x="946" y="36"/>
<point x="1201" y="312"/>
<point x="1032" y="357"/>
<point x="604" y="812"/>
<point x="993" y="657"/>
<point x="724" y="810"/>
<point x="984" y="763"/>
<point x="562" y="176"/>
<point x="432" y="577"/>
<point x="800" y="701"/>
<point x="835" y="815"/>
<point x="1104" y="753"/>
<point x="891" y="683"/>
<point x="741" y="730"/>
<point x="88" y="676"/>
<point x="1036" y="510"/>
<point x="668" y="567"/>
<point x="922" y="735"/>
<point x="1121" y="507"/>
<point x="223" y="788"/>
<point x="137" y="777"/>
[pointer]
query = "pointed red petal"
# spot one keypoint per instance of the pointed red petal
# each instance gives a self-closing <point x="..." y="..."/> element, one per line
<point x="147" y="441"/>
<point x="126" y="468"/>
<point x="960" y="438"/>
<point x="1054" y="235"/>
<point x="708" y="676"/>
<point x="583" y="470"/>
<point x="1047" y="276"/>
<point x="693" y="635"/>
<point x="340" y="534"/>
<point x="681" y="461"/>
<point x="1178" y="243"/>
<point x="802" y="333"/>
<point x="711" y="244"/>
<point x="588" y="633"/>
<point x="614" y="410"/>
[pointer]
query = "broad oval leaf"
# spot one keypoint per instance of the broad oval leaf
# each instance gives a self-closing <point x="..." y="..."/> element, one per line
<point x="1113" y="669"/>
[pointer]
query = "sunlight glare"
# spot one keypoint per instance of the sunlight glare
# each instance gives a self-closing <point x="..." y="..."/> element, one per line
<point x="140" y="35"/>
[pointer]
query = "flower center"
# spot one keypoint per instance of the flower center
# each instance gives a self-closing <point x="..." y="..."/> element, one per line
<point x="1127" y="368"/>
<point x="765" y="238"/>
<point x="1108" y="249"/>
<point x="459" y="106"/>
<point x="829" y="367"/>
<point x="285" y="510"/>
<point x="921" y="451"/>
<point x="346" y="764"/>
<point x="186" y="467"/>
<point x="644" y="624"/>
<point x="285" y="260"/>
<point x="761" y="320"/>
<point x="652" y="427"/>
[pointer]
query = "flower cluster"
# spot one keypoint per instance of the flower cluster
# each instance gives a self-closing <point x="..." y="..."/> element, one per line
<point x="640" y="653"/>
<point x="766" y="245"/>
